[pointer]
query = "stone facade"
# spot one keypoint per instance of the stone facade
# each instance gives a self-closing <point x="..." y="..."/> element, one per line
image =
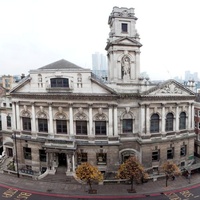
<point x="63" y="115"/>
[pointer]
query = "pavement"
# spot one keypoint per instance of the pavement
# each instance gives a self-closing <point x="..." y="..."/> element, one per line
<point x="109" y="189"/>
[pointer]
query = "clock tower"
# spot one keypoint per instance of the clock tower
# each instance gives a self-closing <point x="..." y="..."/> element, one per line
<point x="123" y="48"/>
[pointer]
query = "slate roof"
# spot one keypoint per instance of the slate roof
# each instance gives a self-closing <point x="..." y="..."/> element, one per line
<point x="61" y="64"/>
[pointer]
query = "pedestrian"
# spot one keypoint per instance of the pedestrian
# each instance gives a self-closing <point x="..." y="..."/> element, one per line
<point x="173" y="177"/>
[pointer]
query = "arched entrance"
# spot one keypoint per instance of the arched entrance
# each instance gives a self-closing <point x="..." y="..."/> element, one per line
<point x="126" y="153"/>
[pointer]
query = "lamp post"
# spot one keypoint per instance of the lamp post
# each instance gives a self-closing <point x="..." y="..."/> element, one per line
<point x="15" y="138"/>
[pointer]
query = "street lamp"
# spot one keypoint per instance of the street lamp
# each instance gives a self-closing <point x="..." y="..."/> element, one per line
<point x="15" y="138"/>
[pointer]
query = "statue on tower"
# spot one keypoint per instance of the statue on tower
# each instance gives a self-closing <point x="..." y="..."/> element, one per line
<point x="125" y="67"/>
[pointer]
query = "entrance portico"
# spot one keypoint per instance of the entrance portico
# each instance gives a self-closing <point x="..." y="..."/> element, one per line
<point x="60" y="157"/>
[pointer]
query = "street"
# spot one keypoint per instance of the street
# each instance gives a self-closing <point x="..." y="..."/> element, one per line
<point x="17" y="194"/>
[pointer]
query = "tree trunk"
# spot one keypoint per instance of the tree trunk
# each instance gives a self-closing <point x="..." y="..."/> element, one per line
<point x="89" y="183"/>
<point x="131" y="183"/>
<point x="167" y="177"/>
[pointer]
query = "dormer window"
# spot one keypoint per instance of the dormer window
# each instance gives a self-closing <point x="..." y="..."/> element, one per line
<point x="124" y="27"/>
<point x="59" y="82"/>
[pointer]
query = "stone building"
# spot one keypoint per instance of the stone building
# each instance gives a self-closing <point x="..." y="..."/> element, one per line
<point x="63" y="115"/>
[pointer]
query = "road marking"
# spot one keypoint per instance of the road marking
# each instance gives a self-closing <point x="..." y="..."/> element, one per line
<point x="23" y="196"/>
<point x="173" y="196"/>
<point x="9" y="193"/>
<point x="186" y="193"/>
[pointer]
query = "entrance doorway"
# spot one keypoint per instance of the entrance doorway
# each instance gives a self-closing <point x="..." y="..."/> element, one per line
<point x="62" y="159"/>
<point x="9" y="152"/>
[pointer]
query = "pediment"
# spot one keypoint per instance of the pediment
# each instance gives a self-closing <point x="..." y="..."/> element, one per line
<point x="169" y="88"/>
<point x="127" y="41"/>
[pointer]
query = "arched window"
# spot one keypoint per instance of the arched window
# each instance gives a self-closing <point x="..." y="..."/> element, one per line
<point x="169" y="122"/>
<point x="182" y="121"/>
<point x="154" y="127"/>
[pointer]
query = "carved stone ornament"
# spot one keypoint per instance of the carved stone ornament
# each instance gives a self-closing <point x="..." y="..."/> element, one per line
<point x="101" y="117"/>
<point x="100" y="111"/>
<point x="25" y="108"/>
<point x="81" y="117"/>
<point x="172" y="89"/>
<point x="25" y="114"/>
<point x="80" y="110"/>
<point x="41" y="109"/>
<point x="127" y="109"/>
<point x="60" y="109"/>
<point x="60" y="116"/>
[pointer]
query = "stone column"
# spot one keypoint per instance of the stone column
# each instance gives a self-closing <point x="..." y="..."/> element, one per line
<point x="192" y="115"/>
<point x="33" y="127"/>
<point x="73" y="163"/>
<point x="177" y="117"/>
<point x="189" y="116"/>
<point x="142" y="119"/>
<point x="137" y="63"/>
<point x="18" y="116"/>
<point x="90" y="120"/>
<point x="68" y="163"/>
<point x="163" y="118"/>
<point x="115" y="121"/>
<point x="147" y="119"/>
<point x="71" y="120"/>
<point x="50" y="119"/>
<point x="13" y="116"/>
<point x="110" y="121"/>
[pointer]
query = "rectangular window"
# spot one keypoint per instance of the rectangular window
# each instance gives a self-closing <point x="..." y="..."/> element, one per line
<point x="101" y="158"/>
<point x="156" y="155"/>
<point x="8" y="122"/>
<point x="81" y="127"/>
<point x="59" y="82"/>
<point x="199" y="125"/>
<point x="199" y="113"/>
<point x="127" y="125"/>
<point x="81" y="157"/>
<point x="27" y="153"/>
<point x="124" y="27"/>
<point x="61" y="126"/>
<point x="42" y="154"/>
<point x="183" y="150"/>
<point x="195" y="112"/>
<point x="170" y="153"/>
<point x="195" y="124"/>
<point x="42" y="125"/>
<point x="100" y="127"/>
<point x="26" y="123"/>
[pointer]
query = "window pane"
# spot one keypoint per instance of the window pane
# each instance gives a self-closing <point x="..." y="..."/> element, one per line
<point x="8" y="121"/>
<point x="27" y="153"/>
<point x="127" y="125"/>
<point x="26" y="123"/>
<point x="154" y="127"/>
<point x="42" y="125"/>
<point x="169" y="122"/>
<point x="81" y="127"/>
<point x="100" y="128"/>
<point x="101" y="158"/>
<point x="61" y="126"/>
<point x="59" y="82"/>
<point x="182" y="121"/>
<point x="124" y="27"/>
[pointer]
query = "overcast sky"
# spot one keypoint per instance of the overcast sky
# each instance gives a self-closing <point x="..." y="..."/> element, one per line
<point x="34" y="33"/>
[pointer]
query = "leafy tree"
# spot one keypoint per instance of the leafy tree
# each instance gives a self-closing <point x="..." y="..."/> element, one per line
<point x="170" y="169"/>
<point x="132" y="170"/>
<point x="88" y="173"/>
